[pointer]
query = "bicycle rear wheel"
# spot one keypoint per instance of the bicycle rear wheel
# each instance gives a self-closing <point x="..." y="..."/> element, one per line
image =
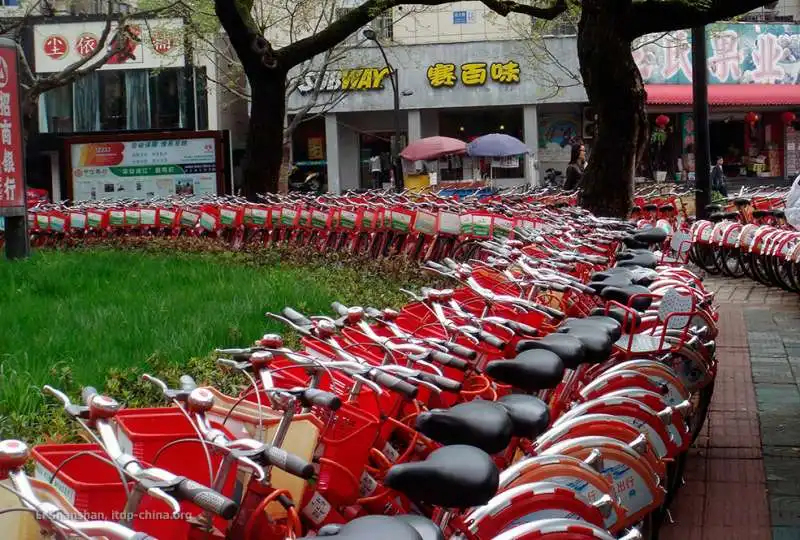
<point x="730" y="264"/>
<point x="704" y="257"/>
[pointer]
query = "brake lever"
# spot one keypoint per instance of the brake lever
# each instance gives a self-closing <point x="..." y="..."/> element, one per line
<point x="280" y="318"/>
<point x="412" y="295"/>
<point x="244" y="459"/>
<point x="241" y="366"/>
<point x="158" y="493"/>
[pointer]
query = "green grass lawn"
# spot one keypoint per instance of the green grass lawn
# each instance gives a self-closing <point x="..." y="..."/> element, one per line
<point x="82" y="316"/>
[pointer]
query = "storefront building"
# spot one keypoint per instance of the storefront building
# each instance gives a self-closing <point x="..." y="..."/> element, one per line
<point x="460" y="90"/>
<point x="148" y="87"/>
<point x="464" y="90"/>
<point x="754" y="100"/>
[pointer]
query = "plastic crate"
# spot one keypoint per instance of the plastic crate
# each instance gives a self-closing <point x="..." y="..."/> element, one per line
<point x="89" y="484"/>
<point x="147" y="435"/>
<point x="347" y="437"/>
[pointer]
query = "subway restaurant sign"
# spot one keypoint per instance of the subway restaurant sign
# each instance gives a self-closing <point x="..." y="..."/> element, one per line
<point x="347" y="80"/>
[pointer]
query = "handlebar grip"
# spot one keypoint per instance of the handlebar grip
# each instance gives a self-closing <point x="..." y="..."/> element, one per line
<point x="449" y="360"/>
<point x="491" y="340"/>
<point x="585" y="288"/>
<point x="445" y="383"/>
<point x="460" y="350"/>
<point x="290" y="463"/>
<point x="320" y="398"/>
<point x="556" y="314"/>
<point x="87" y="394"/>
<point x="297" y="318"/>
<point x="438" y="267"/>
<point x="339" y="308"/>
<point x="206" y="498"/>
<point x="187" y="383"/>
<point x="390" y="382"/>
<point x="522" y="328"/>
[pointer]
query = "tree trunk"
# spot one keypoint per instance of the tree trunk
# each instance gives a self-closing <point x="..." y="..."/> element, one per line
<point x="616" y="91"/>
<point x="30" y="116"/>
<point x="265" y="132"/>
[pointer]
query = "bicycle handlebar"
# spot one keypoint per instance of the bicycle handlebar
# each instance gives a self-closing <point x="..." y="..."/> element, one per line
<point x="158" y="483"/>
<point x="13" y="456"/>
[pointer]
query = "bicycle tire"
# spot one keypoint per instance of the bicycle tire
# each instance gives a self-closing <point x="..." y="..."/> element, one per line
<point x="745" y="262"/>
<point x="759" y="270"/>
<point x="794" y="274"/>
<point x="731" y="255"/>
<point x="780" y="270"/>
<point x="704" y="258"/>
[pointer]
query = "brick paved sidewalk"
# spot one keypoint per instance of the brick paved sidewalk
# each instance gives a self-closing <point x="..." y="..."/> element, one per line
<point x="743" y="475"/>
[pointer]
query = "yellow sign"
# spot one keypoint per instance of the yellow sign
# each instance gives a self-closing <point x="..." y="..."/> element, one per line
<point x="473" y="74"/>
<point x="346" y="80"/>
<point x="315" y="148"/>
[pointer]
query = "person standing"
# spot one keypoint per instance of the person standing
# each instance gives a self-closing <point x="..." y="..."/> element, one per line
<point x="375" y="169"/>
<point x="576" y="167"/>
<point x="718" y="181"/>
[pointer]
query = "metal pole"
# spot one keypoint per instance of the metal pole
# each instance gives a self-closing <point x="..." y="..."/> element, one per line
<point x="17" y="241"/>
<point x="396" y="163"/>
<point x="702" y="158"/>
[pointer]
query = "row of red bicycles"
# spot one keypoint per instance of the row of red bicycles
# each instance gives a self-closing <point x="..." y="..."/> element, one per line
<point x="552" y="392"/>
<point x="748" y="236"/>
<point x="375" y="224"/>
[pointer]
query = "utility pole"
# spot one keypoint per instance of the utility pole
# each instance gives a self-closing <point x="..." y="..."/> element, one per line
<point x="702" y="158"/>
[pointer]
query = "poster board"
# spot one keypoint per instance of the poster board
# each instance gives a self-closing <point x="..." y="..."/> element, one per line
<point x="12" y="161"/>
<point x="146" y="165"/>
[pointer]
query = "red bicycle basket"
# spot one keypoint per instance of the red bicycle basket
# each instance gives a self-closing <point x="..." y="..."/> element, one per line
<point x="93" y="486"/>
<point x="145" y="434"/>
<point x="346" y="438"/>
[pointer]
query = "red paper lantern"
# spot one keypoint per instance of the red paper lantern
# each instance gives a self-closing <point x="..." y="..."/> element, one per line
<point x="751" y="118"/>
<point x="662" y="121"/>
<point x="788" y="117"/>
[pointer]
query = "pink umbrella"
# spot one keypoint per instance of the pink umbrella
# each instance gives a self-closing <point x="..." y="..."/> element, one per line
<point x="432" y="148"/>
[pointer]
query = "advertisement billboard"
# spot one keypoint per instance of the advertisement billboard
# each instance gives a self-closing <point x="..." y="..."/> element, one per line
<point x="12" y="164"/>
<point x="144" y="168"/>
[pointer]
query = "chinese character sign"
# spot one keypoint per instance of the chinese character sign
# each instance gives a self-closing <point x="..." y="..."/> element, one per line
<point x="473" y="74"/>
<point x="12" y="177"/>
<point x="147" y="44"/>
<point x="737" y="54"/>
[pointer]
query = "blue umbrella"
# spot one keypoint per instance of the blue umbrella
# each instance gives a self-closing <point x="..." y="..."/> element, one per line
<point x="496" y="145"/>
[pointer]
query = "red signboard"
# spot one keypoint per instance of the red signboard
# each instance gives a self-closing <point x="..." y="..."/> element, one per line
<point x="12" y="177"/>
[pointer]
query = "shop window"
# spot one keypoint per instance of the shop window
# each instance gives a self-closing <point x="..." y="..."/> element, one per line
<point x="384" y="25"/>
<point x="123" y="100"/>
<point x="96" y="7"/>
<point x="165" y="102"/>
<point x="563" y="25"/>
<point x="113" y="108"/>
<point x="55" y="110"/>
<point x="468" y="124"/>
<point x="727" y="141"/>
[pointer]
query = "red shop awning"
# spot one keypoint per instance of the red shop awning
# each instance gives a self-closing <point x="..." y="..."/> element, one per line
<point x="766" y="95"/>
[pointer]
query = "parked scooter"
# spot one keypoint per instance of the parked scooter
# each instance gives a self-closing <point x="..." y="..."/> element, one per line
<point x="310" y="182"/>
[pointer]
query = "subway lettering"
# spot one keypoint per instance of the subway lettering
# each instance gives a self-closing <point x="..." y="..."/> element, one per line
<point x="345" y="80"/>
